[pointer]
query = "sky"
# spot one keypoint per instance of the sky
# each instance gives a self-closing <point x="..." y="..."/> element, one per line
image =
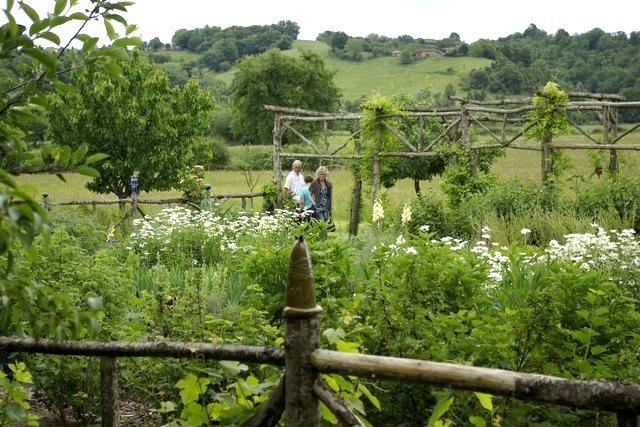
<point x="429" y="19"/>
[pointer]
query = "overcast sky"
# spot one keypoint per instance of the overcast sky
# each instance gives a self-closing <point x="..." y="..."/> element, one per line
<point x="471" y="19"/>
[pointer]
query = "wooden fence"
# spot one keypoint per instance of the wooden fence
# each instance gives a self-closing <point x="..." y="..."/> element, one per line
<point x="301" y="390"/>
<point x="135" y="202"/>
<point x="509" y="115"/>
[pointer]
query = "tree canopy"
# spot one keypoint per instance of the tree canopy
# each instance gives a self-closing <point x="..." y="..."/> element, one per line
<point x="27" y="307"/>
<point x="142" y="123"/>
<point x="277" y="79"/>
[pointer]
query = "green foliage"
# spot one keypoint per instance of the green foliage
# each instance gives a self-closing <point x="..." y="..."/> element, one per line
<point x="615" y="194"/>
<point x="463" y="179"/>
<point x="192" y="186"/>
<point x="524" y="61"/>
<point x="136" y="118"/>
<point x="276" y="79"/>
<point x="220" y="156"/>
<point x="68" y="384"/>
<point x="15" y="397"/>
<point x="427" y="210"/>
<point x="549" y="117"/>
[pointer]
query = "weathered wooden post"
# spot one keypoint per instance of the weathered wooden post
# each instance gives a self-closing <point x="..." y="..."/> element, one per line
<point x="109" y="392"/>
<point x="545" y="159"/>
<point x="466" y="138"/>
<point x="301" y="337"/>
<point x="354" y="217"/>
<point x="612" y="126"/>
<point x="46" y="205"/>
<point x="377" y="146"/>
<point x="277" y="159"/>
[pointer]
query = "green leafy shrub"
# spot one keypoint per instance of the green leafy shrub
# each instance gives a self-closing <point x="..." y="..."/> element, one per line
<point x="614" y="194"/>
<point x="427" y="210"/>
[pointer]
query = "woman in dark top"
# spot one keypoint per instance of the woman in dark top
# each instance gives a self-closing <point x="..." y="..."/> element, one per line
<point x="321" y="190"/>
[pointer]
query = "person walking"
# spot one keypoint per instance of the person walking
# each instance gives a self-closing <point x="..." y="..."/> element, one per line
<point x="307" y="203"/>
<point x="322" y="192"/>
<point x="295" y="180"/>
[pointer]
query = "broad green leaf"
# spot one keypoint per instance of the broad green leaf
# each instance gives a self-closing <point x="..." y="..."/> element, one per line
<point x="23" y="376"/>
<point x="58" y="20"/>
<point x="195" y="414"/>
<point x="485" y="400"/>
<point x="440" y="409"/>
<point x="598" y="349"/>
<point x="347" y="347"/>
<point x="332" y="383"/>
<point x="80" y="152"/>
<point x="191" y="388"/>
<point x="31" y="12"/>
<point x="89" y="43"/>
<point x="128" y="41"/>
<point x="79" y="16"/>
<point x="87" y="171"/>
<point x="117" y="18"/>
<point x="38" y="26"/>
<point x="96" y="158"/>
<point x="60" y="5"/>
<point x="52" y="37"/>
<point x="333" y="335"/>
<point x="65" y="156"/>
<point x="232" y="367"/>
<point x="328" y="415"/>
<point x="131" y="28"/>
<point x="110" y="31"/>
<point x="374" y="400"/>
<point x="47" y="59"/>
<point x="477" y="421"/>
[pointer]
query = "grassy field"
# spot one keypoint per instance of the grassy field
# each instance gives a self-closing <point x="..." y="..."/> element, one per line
<point x="386" y="75"/>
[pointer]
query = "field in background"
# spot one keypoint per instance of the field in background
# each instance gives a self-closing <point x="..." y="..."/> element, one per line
<point x="516" y="164"/>
<point x="386" y="75"/>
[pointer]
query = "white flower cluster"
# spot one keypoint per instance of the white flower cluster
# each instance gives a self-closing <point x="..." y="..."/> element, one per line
<point x="378" y="211"/>
<point x="617" y="252"/>
<point x="159" y="231"/>
<point x="614" y="250"/>
<point x="406" y="215"/>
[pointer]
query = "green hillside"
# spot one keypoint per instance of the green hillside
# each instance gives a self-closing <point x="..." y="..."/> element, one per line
<point x="386" y="75"/>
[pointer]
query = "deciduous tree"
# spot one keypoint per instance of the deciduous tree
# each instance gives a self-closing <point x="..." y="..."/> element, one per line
<point x="277" y="79"/>
<point x="137" y="118"/>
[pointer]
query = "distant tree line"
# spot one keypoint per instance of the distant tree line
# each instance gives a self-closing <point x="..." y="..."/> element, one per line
<point x="594" y="61"/>
<point x="350" y="48"/>
<point x="221" y="48"/>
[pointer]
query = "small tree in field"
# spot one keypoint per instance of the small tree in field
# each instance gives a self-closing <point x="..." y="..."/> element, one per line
<point x="137" y="118"/>
<point x="277" y="79"/>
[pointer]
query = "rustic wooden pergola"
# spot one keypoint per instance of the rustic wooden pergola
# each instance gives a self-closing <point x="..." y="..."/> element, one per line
<point x="509" y="114"/>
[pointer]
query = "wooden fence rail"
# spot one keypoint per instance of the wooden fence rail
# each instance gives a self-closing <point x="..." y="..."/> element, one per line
<point x="300" y="392"/>
<point x="47" y="203"/>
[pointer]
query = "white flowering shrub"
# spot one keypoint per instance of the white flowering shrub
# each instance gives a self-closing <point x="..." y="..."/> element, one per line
<point x="182" y="236"/>
<point x="615" y="252"/>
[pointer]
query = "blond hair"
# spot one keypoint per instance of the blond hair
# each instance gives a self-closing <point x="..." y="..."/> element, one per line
<point x="322" y="170"/>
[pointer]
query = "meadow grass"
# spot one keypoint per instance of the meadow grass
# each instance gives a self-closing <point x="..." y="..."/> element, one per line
<point x="385" y="75"/>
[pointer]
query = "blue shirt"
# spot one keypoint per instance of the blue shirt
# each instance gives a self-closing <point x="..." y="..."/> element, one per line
<point x="306" y="197"/>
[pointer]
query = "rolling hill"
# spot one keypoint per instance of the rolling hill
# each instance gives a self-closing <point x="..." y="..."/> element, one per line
<point x="384" y="75"/>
